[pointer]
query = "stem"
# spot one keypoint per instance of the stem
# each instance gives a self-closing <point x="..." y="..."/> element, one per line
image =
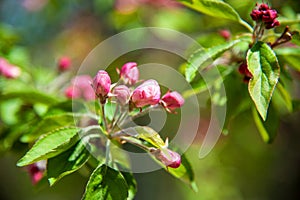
<point x="136" y="143"/>
<point x="246" y="25"/>
<point x="103" y="116"/>
<point x="107" y="153"/>
<point x="114" y="117"/>
<point x="147" y="110"/>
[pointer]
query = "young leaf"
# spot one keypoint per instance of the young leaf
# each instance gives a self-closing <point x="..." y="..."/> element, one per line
<point x="67" y="162"/>
<point x="106" y="183"/>
<point x="48" y="124"/>
<point x="148" y="134"/>
<point x="197" y="60"/>
<point x="50" y="145"/>
<point x="263" y="65"/>
<point x="217" y="9"/>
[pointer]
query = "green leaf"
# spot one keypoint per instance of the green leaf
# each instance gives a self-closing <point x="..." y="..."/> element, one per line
<point x="149" y="135"/>
<point x="30" y="96"/>
<point x="50" y="145"/>
<point x="67" y="162"/>
<point x="131" y="182"/>
<point x="200" y="57"/>
<point x="49" y="124"/>
<point x="286" y="97"/>
<point x="106" y="183"/>
<point x="109" y="109"/>
<point x="290" y="56"/>
<point x="263" y="65"/>
<point x="217" y="9"/>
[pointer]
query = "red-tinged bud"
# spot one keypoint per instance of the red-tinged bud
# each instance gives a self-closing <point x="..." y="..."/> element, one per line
<point x="147" y="93"/>
<point x="272" y="24"/>
<point x="263" y="7"/>
<point x="72" y="92"/>
<point x="101" y="85"/>
<point x="122" y="94"/>
<point x="225" y="34"/>
<point x="167" y="157"/>
<point x="36" y="171"/>
<point x="269" y="16"/>
<point x="256" y="15"/>
<point x="172" y="100"/>
<point x="64" y="63"/>
<point x="8" y="70"/>
<point x="81" y="88"/>
<point x="130" y="73"/>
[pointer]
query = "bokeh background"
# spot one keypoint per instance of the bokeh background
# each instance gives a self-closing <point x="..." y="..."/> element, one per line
<point x="241" y="166"/>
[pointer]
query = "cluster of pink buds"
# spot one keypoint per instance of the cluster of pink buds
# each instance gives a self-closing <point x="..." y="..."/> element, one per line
<point x="146" y="94"/>
<point x="80" y="88"/>
<point x="8" y="70"/>
<point x="135" y="94"/>
<point x="264" y="13"/>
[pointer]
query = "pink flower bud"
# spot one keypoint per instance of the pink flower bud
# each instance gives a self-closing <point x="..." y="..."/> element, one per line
<point x="8" y="70"/>
<point x="172" y="100"/>
<point x="256" y="15"/>
<point x="130" y="73"/>
<point x="72" y="92"/>
<point x="272" y="24"/>
<point x="36" y="171"/>
<point x="122" y="93"/>
<point x="225" y="34"/>
<point x="64" y="63"/>
<point x="147" y="93"/>
<point x="167" y="157"/>
<point x="101" y="85"/>
<point x="81" y="88"/>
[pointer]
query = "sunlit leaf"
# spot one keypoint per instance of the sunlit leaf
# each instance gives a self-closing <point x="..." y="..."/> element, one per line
<point x="215" y="8"/>
<point x="50" y="145"/>
<point x="106" y="183"/>
<point x="263" y="65"/>
<point x="201" y="57"/>
<point x="49" y="124"/>
<point x="67" y="162"/>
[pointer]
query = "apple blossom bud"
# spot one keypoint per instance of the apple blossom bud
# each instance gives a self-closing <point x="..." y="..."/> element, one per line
<point x="64" y="63"/>
<point x="72" y="92"/>
<point x="172" y="100"/>
<point x="130" y="73"/>
<point x="81" y="88"/>
<point x="167" y="157"/>
<point x="8" y="70"/>
<point x="122" y="93"/>
<point x="36" y="171"/>
<point x="147" y="93"/>
<point x="101" y="85"/>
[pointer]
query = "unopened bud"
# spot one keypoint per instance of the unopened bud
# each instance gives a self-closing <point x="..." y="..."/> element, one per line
<point x="129" y="73"/>
<point x="8" y="70"/>
<point x="122" y="94"/>
<point x="64" y="63"/>
<point x="172" y="100"/>
<point x="101" y="85"/>
<point x="147" y="93"/>
<point x="167" y="157"/>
